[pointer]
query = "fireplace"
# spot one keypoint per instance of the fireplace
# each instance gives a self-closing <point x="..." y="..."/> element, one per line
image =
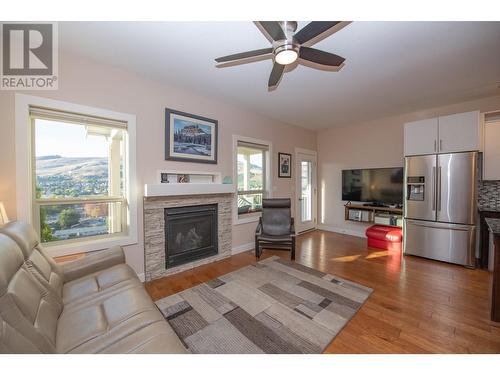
<point x="190" y="234"/>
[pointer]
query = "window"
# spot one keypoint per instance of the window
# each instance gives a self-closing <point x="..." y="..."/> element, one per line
<point x="79" y="176"/>
<point x="251" y="167"/>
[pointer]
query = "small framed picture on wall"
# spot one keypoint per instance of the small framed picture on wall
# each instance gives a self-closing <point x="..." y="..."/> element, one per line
<point x="284" y="165"/>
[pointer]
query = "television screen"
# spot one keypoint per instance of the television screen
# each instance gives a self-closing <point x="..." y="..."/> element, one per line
<point x="377" y="185"/>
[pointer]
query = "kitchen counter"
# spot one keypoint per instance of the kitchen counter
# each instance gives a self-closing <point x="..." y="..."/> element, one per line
<point x="488" y="209"/>
<point x="493" y="225"/>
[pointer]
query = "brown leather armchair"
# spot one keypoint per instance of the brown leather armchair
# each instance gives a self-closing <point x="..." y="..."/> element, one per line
<point x="276" y="227"/>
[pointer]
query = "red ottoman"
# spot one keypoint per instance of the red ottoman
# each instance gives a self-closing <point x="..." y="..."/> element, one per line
<point x="384" y="237"/>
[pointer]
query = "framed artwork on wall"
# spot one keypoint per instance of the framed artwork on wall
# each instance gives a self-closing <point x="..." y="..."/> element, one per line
<point x="190" y="138"/>
<point x="284" y="165"/>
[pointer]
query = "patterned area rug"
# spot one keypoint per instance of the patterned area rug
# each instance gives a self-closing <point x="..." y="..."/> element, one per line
<point x="274" y="306"/>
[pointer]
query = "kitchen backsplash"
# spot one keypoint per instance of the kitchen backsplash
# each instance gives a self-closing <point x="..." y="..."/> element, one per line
<point x="489" y="194"/>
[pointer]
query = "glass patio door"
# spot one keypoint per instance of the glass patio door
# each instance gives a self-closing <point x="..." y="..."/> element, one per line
<point x="306" y="192"/>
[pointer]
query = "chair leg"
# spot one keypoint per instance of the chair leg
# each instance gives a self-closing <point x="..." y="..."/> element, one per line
<point x="293" y="248"/>
<point x="257" y="251"/>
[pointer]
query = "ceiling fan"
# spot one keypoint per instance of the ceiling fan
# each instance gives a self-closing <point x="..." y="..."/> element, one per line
<point x="289" y="46"/>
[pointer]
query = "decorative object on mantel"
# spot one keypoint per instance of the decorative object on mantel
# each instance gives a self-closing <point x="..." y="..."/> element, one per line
<point x="190" y="138"/>
<point x="3" y="215"/>
<point x="227" y="180"/>
<point x="284" y="165"/>
<point x="274" y="306"/>
<point x="192" y="177"/>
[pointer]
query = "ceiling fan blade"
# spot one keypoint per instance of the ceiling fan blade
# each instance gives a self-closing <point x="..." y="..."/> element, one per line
<point x="319" y="58"/>
<point x="272" y="30"/>
<point x="244" y="57"/>
<point x="315" y="31"/>
<point x="275" y="77"/>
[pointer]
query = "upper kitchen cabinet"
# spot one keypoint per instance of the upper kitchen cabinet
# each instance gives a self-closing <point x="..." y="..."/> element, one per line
<point x="421" y="137"/>
<point x="445" y="134"/>
<point x="459" y="132"/>
<point x="491" y="156"/>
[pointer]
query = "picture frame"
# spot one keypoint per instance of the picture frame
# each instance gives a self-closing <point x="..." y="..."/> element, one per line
<point x="284" y="165"/>
<point x="190" y="138"/>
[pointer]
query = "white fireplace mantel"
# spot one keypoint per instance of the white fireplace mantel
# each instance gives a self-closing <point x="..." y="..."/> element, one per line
<point x="162" y="190"/>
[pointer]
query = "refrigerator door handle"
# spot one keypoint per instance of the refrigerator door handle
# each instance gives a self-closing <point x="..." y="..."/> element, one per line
<point x="433" y="191"/>
<point x="439" y="189"/>
<point x="463" y="228"/>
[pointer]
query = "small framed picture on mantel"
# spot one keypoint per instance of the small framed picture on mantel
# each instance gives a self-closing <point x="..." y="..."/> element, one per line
<point x="284" y="165"/>
<point x="190" y="137"/>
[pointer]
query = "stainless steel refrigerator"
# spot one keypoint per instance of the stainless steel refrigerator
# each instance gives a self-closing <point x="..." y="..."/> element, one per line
<point x="440" y="207"/>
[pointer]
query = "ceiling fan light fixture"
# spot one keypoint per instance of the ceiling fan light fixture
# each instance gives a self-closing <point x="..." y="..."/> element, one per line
<point x="286" y="54"/>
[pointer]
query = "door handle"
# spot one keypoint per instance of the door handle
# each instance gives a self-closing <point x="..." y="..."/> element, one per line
<point x="439" y="189"/>
<point x="433" y="185"/>
<point x="457" y="228"/>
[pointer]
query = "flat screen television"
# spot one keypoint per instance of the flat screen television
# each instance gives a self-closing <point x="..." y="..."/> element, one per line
<point x="382" y="186"/>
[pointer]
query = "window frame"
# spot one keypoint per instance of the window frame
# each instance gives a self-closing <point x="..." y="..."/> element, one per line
<point x="267" y="183"/>
<point x="26" y="176"/>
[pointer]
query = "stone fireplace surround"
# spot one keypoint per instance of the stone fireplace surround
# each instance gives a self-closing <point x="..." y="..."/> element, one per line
<point x="154" y="230"/>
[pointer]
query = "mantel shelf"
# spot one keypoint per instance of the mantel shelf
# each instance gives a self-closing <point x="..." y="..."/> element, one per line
<point x="162" y="190"/>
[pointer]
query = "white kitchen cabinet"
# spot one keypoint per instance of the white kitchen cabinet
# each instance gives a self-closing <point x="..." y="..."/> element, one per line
<point x="491" y="152"/>
<point x="459" y="132"/>
<point x="421" y="137"/>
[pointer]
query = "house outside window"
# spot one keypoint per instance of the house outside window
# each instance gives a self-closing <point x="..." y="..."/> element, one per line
<point x="252" y="159"/>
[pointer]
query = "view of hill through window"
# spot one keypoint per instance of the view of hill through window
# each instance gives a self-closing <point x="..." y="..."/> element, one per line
<point x="73" y="163"/>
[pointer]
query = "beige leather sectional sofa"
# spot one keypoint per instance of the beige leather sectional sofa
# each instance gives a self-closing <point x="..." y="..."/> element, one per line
<point x="92" y="305"/>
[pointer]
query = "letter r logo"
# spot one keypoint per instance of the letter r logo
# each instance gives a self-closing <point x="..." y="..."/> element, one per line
<point x="27" y="49"/>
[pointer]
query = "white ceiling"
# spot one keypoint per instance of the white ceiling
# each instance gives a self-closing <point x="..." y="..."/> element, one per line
<point x="390" y="68"/>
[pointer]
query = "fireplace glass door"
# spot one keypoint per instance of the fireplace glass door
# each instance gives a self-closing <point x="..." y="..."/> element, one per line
<point x="190" y="234"/>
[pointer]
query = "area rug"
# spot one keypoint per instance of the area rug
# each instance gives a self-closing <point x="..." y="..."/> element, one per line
<point x="274" y="306"/>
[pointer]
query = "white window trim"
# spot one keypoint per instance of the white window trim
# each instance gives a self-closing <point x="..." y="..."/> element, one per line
<point x="269" y="176"/>
<point x="24" y="172"/>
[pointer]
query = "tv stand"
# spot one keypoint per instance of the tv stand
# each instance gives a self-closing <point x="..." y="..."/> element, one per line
<point x="371" y="211"/>
<point x="375" y="204"/>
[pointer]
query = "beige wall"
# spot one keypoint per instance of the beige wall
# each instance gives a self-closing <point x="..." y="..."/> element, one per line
<point x="368" y="145"/>
<point x="89" y="83"/>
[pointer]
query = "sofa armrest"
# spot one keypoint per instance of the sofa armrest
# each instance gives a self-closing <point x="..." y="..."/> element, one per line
<point x="93" y="263"/>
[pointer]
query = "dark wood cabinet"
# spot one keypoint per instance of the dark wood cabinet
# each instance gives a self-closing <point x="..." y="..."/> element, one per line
<point x="495" y="290"/>
<point x="484" y="236"/>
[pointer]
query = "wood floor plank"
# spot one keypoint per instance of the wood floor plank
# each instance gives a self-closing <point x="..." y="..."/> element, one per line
<point x="418" y="305"/>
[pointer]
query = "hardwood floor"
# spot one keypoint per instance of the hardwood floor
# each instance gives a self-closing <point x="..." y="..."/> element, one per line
<point x="418" y="305"/>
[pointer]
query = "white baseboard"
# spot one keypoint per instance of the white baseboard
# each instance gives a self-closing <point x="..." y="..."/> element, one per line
<point x="242" y="248"/>
<point x="342" y="231"/>
<point x="141" y="277"/>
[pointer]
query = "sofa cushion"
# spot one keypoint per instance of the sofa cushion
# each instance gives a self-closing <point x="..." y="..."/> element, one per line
<point x="12" y="342"/>
<point x="106" y="320"/>
<point x="25" y="305"/>
<point x="102" y="282"/>
<point x="156" y="338"/>
<point x="38" y="262"/>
